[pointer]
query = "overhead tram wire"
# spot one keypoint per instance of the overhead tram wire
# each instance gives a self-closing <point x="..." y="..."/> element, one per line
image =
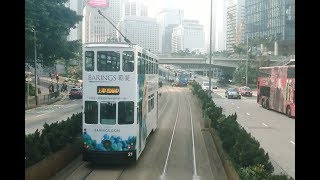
<point x="125" y="39"/>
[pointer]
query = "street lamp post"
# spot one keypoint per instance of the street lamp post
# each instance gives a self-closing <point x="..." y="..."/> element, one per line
<point x="247" y="62"/>
<point x="27" y="95"/>
<point x="35" y="67"/>
<point x="210" y="49"/>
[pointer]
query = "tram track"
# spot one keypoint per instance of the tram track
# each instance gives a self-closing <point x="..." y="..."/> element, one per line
<point x="178" y="145"/>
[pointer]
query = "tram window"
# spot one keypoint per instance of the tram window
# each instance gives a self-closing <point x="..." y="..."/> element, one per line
<point x="127" y="61"/>
<point x="126" y="112"/>
<point x="149" y="67"/>
<point x="146" y="66"/>
<point x="89" y="61"/>
<point x="108" y="113"/>
<point x="152" y="68"/>
<point x="140" y="65"/>
<point x="157" y="68"/>
<point x="108" y="61"/>
<point x="149" y="105"/>
<point x="91" y="112"/>
<point x="150" y="102"/>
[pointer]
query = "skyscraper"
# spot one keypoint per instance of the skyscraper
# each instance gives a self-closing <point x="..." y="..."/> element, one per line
<point x="144" y="31"/>
<point x="188" y="35"/>
<point x="235" y="23"/>
<point x="273" y="19"/>
<point x="168" y="19"/>
<point x="96" y="28"/>
<point x="135" y="8"/>
<point x="77" y="6"/>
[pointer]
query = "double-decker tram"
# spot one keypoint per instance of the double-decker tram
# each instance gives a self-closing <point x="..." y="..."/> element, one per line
<point x="120" y="101"/>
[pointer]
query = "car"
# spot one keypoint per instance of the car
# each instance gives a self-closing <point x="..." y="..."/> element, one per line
<point x="214" y="86"/>
<point x="75" y="93"/>
<point x="245" y="91"/>
<point x="205" y="85"/>
<point x="232" y="93"/>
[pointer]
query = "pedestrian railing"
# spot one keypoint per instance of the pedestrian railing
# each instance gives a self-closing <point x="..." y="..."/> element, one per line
<point x="30" y="102"/>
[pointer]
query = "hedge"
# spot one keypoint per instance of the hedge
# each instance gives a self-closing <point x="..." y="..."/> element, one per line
<point x="249" y="159"/>
<point x="52" y="138"/>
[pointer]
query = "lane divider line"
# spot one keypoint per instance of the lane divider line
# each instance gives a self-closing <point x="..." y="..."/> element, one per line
<point x="169" y="149"/>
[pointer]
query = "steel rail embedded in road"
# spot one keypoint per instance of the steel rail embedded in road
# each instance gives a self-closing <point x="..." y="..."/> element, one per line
<point x="195" y="175"/>
<point x="174" y="129"/>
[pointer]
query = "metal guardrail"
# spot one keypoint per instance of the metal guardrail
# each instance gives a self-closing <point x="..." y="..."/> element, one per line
<point x="30" y="102"/>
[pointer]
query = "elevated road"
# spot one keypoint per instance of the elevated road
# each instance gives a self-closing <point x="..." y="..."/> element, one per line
<point x="203" y="62"/>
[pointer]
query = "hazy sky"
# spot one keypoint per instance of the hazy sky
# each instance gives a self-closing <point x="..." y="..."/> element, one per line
<point x="193" y="9"/>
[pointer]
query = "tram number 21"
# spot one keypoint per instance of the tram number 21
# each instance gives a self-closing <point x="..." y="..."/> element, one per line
<point x="129" y="154"/>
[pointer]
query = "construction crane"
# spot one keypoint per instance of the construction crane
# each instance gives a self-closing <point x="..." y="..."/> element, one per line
<point x="231" y="24"/>
<point x="239" y="32"/>
<point x="238" y="29"/>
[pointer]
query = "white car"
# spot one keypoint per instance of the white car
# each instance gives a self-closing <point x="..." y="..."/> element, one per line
<point x="205" y="85"/>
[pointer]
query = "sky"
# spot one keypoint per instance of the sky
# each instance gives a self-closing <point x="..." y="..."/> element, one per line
<point x="193" y="9"/>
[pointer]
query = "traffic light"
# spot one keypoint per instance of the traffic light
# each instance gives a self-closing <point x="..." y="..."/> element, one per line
<point x="175" y="74"/>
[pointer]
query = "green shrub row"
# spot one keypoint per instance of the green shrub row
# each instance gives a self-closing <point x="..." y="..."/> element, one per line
<point x="248" y="158"/>
<point x="52" y="138"/>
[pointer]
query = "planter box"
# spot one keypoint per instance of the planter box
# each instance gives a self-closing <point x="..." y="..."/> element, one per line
<point x="227" y="164"/>
<point x="48" y="167"/>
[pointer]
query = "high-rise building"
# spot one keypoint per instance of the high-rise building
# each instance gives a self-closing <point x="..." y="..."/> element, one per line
<point x="274" y="19"/>
<point x="135" y="8"/>
<point x="220" y="25"/>
<point x="235" y="23"/>
<point x="144" y="31"/>
<point x="188" y="35"/>
<point x="213" y="28"/>
<point x="77" y="6"/>
<point x="168" y="19"/>
<point x="96" y="28"/>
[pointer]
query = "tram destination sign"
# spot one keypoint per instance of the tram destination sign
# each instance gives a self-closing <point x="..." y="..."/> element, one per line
<point x="108" y="90"/>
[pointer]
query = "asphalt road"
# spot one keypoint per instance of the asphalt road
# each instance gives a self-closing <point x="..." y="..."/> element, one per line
<point x="179" y="149"/>
<point x="35" y="118"/>
<point x="274" y="131"/>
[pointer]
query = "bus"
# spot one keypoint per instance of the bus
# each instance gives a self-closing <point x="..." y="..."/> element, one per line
<point x="276" y="89"/>
<point x="120" y="101"/>
<point x="181" y="79"/>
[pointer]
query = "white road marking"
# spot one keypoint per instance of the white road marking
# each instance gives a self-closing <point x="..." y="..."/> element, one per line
<point x="292" y="142"/>
<point x="43" y="114"/>
<point x="71" y="105"/>
<point x="264" y="124"/>
<point x="193" y="149"/>
<point x="174" y="128"/>
<point x="248" y="114"/>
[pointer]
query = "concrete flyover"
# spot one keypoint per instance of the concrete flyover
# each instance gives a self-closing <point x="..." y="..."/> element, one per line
<point x="203" y="62"/>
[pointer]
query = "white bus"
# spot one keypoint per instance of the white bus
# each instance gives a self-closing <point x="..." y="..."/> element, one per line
<point x="120" y="101"/>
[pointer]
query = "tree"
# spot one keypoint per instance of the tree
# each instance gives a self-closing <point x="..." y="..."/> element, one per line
<point x="52" y="22"/>
<point x="240" y="48"/>
<point x="239" y="75"/>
